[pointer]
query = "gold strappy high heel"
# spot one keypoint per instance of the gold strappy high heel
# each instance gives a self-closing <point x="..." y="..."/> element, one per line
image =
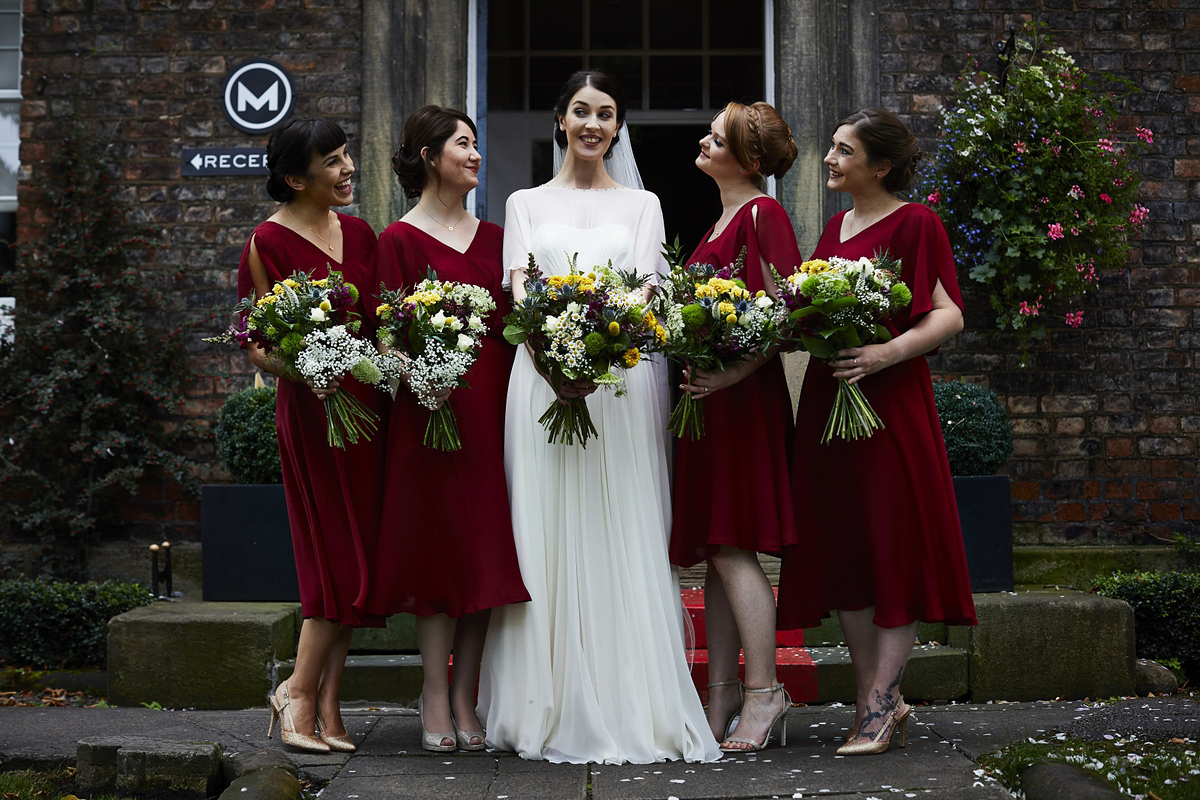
<point x="280" y="710"/>
<point x="741" y="699"/>
<point x="780" y="719"/>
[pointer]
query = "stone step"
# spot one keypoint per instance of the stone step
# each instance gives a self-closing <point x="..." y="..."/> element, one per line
<point x="936" y="673"/>
<point x="693" y="601"/>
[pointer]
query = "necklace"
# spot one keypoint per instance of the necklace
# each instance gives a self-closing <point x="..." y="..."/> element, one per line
<point x="439" y="222"/>
<point x="328" y="244"/>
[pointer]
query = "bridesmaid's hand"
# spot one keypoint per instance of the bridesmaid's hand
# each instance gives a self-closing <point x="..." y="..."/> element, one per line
<point x="701" y="383"/>
<point x="325" y="391"/>
<point x="854" y="363"/>
<point x="441" y="397"/>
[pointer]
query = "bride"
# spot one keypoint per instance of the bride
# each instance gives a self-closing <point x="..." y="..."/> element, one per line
<point x="593" y="669"/>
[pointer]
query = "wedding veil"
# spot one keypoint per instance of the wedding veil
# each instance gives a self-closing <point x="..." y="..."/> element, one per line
<point x="621" y="166"/>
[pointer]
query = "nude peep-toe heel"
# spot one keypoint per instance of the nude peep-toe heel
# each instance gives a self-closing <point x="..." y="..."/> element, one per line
<point x="433" y="741"/>
<point x="741" y="699"/>
<point x="780" y="719"/>
<point x="281" y="710"/>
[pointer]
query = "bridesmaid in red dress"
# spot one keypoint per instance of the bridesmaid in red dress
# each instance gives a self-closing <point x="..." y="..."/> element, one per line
<point x="446" y="551"/>
<point x="881" y="542"/>
<point x="732" y="497"/>
<point x="332" y="494"/>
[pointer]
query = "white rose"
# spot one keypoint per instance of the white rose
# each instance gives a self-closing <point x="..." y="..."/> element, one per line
<point x="455" y="324"/>
<point x="474" y="323"/>
<point x="572" y="308"/>
<point x="438" y="321"/>
<point x="763" y="302"/>
<point x="551" y="325"/>
<point x="316" y="315"/>
<point x="465" y="342"/>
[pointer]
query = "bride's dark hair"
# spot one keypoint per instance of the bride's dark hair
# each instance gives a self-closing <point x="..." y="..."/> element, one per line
<point x="599" y="80"/>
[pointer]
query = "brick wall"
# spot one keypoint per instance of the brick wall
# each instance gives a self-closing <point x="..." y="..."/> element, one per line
<point x="146" y="77"/>
<point x="1106" y="417"/>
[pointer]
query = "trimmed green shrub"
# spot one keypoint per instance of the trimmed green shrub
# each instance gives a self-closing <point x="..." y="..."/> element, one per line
<point x="1166" y="613"/>
<point x="976" y="427"/>
<point x="245" y="433"/>
<point x="60" y="625"/>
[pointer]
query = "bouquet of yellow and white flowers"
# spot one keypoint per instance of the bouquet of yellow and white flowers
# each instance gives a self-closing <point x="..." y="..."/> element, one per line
<point x="438" y="326"/>
<point x="830" y="305"/>
<point x="308" y="327"/>
<point x="582" y="326"/>
<point x="712" y="320"/>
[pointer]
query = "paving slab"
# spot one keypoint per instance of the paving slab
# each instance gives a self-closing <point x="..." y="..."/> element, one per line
<point x="937" y="763"/>
<point x="979" y="729"/>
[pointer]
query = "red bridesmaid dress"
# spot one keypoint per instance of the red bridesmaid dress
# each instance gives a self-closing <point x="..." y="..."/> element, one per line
<point x="731" y="485"/>
<point x="446" y="541"/>
<point x="877" y="518"/>
<point x="332" y="494"/>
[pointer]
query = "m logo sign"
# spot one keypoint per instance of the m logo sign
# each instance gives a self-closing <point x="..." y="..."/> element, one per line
<point x="258" y="96"/>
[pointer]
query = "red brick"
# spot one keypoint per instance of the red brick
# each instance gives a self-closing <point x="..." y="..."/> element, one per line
<point x="1118" y="448"/>
<point x="1118" y="490"/>
<point x="1072" y="512"/>
<point x="1025" y="490"/>
<point x="1164" y="512"/>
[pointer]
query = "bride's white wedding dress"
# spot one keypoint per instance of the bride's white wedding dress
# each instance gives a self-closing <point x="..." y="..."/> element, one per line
<point x="593" y="668"/>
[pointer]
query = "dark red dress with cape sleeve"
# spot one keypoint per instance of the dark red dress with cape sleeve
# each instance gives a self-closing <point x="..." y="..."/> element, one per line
<point x="332" y="494"/>
<point x="877" y="519"/>
<point x="446" y="541"/>
<point x="731" y="485"/>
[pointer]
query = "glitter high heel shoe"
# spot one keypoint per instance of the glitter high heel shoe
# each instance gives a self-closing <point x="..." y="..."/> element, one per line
<point x="281" y="710"/>
<point x="338" y="744"/>
<point x="883" y="737"/>
<point x="433" y="741"/>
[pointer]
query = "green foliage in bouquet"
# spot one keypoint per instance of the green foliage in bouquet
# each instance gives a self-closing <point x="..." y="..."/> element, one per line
<point x="976" y="427"/>
<point x="245" y="434"/>
<point x="53" y="625"/>
<point x="1037" y="189"/>
<point x="90" y="381"/>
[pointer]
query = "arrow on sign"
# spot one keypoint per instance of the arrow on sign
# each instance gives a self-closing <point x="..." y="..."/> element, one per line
<point x="197" y="161"/>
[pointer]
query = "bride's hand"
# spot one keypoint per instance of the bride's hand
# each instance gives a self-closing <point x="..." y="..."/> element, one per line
<point x="572" y="390"/>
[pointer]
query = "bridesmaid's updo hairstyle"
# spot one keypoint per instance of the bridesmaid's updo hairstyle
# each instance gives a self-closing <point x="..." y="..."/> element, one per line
<point x="290" y="151"/>
<point x="599" y="80"/>
<point x="885" y="138"/>
<point x="427" y="127"/>
<point x="757" y="133"/>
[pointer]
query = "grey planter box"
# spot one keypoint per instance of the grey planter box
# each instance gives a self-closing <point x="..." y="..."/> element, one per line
<point x="985" y="511"/>
<point x="247" y="544"/>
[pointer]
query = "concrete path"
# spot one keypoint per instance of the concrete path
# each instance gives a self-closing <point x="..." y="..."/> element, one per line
<point x="937" y="764"/>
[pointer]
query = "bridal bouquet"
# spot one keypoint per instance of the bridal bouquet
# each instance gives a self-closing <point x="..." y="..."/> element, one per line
<point x="712" y="320"/>
<point x="438" y="329"/>
<point x="582" y="326"/>
<point x="827" y="306"/>
<point x="307" y="326"/>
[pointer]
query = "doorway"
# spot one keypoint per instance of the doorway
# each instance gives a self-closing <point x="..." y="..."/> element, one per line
<point x="679" y="62"/>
